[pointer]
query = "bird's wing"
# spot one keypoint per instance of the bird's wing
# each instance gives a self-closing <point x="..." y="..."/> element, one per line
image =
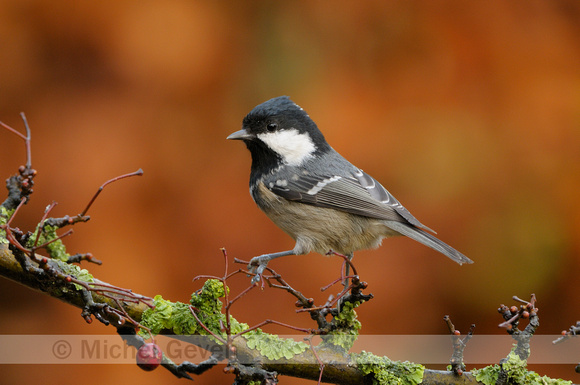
<point x="356" y="193"/>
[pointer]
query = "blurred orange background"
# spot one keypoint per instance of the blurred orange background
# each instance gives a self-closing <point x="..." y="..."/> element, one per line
<point x="468" y="112"/>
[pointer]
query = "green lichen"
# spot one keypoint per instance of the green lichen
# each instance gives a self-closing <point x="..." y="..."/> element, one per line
<point x="56" y="249"/>
<point x="177" y="316"/>
<point x="274" y="347"/>
<point x="347" y="328"/>
<point x="387" y="372"/>
<point x="4" y="217"/>
<point x="209" y="308"/>
<point x="76" y="272"/>
<point x="516" y="372"/>
<point x="168" y="315"/>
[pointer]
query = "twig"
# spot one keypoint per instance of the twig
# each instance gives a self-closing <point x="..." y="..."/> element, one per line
<point x="317" y="359"/>
<point x="25" y="138"/>
<point x="219" y="338"/>
<point x="269" y="321"/>
<point x="573" y="331"/>
<point x="457" y="365"/>
<point x="512" y="316"/>
<point x="135" y="173"/>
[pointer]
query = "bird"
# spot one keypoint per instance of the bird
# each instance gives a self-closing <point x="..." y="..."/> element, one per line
<point x="310" y="191"/>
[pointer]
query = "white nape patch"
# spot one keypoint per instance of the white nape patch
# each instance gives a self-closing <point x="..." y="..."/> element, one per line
<point x="320" y="185"/>
<point x="301" y="109"/>
<point x="292" y="146"/>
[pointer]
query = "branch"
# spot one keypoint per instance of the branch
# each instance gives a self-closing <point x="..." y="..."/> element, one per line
<point x="339" y="367"/>
<point x="10" y="268"/>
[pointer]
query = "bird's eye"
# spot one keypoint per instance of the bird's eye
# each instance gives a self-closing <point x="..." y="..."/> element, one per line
<point x="271" y="127"/>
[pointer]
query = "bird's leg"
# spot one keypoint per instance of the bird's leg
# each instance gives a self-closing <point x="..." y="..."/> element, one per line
<point x="257" y="265"/>
<point x="350" y="256"/>
<point x="345" y="282"/>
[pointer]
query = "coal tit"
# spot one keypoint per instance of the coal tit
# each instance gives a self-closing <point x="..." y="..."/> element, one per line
<point x="314" y="194"/>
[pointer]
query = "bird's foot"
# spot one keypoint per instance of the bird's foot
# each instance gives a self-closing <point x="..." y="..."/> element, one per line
<point x="257" y="266"/>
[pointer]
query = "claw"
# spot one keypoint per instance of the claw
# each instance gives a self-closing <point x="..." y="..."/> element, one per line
<point x="257" y="266"/>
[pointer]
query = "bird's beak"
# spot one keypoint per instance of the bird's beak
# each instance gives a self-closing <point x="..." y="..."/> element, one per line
<point x="241" y="135"/>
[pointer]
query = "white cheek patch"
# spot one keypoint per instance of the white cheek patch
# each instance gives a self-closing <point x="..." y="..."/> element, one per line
<point x="292" y="146"/>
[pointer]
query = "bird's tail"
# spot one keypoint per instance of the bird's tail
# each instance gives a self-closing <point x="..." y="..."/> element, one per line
<point x="428" y="240"/>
